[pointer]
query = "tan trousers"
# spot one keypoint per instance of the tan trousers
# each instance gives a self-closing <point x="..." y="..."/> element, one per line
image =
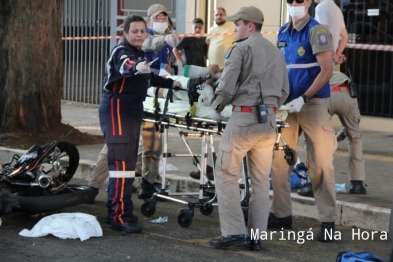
<point x="314" y="120"/>
<point x="347" y="110"/>
<point x="243" y="135"/>
<point x="151" y="152"/>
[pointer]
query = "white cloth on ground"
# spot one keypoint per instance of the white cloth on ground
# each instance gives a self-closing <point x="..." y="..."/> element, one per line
<point x="66" y="225"/>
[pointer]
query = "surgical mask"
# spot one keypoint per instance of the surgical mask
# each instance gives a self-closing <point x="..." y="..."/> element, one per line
<point x="296" y="12"/>
<point x="160" y="27"/>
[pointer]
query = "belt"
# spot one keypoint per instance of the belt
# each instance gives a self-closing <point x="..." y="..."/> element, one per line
<point x="339" y="88"/>
<point x="250" y="109"/>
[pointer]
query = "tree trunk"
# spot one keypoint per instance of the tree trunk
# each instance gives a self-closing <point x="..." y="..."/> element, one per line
<point x="31" y="65"/>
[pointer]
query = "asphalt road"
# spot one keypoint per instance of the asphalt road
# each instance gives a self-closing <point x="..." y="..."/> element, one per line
<point x="170" y="242"/>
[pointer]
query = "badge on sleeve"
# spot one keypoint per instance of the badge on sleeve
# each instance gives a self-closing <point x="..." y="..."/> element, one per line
<point x="228" y="53"/>
<point x="322" y="39"/>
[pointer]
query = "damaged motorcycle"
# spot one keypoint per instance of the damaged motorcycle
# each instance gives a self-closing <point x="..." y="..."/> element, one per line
<point x="38" y="180"/>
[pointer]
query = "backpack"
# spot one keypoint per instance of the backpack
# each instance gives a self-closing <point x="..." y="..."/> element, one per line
<point x="347" y="256"/>
<point x="299" y="177"/>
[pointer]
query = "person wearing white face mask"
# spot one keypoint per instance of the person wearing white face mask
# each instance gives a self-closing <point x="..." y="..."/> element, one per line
<point x="158" y="44"/>
<point x="307" y="47"/>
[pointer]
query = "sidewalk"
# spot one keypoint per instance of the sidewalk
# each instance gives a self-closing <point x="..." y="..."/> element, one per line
<point x="369" y="211"/>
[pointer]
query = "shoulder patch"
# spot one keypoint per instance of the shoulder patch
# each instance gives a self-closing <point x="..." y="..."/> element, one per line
<point x="322" y="39"/>
<point x="229" y="51"/>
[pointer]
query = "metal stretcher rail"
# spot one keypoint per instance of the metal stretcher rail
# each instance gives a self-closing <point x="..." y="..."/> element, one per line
<point x="207" y="128"/>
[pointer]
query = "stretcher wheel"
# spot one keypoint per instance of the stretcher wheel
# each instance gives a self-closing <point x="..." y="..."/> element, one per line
<point x="148" y="209"/>
<point x="290" y="156"/>
<point x="184" y="219"/>
<point x="206" y="210"/>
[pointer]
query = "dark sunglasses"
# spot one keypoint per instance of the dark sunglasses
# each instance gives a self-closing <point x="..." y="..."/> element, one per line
<point x="297" y="1"/>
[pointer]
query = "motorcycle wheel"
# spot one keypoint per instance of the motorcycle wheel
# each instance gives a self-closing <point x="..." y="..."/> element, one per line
<point x="69" y="157"/>
<point x="72" y="195"/>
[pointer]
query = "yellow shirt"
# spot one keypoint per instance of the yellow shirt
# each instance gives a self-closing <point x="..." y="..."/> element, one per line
<point x="218" y="45"/>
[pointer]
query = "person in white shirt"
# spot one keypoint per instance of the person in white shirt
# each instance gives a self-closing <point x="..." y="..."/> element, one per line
<point x="329" y="14"/>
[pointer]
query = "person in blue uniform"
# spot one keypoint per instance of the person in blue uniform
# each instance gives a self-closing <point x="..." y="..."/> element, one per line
<point x="307" y="47"/>
<point x="127" y="77"/>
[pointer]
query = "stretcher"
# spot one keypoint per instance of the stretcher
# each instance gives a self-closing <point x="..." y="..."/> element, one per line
<point x="176" y="115"/>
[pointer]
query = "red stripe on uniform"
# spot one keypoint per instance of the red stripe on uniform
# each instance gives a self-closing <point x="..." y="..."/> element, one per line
<point x="123" y="180"/>
<point x="115" y="198"/>
<point x="113" y="117"/>
<point x="122" y="84"/>
<point x="119" y="118"/>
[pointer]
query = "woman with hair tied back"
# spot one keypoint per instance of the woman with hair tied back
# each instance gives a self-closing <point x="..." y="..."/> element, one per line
<point x="127" y="77"/>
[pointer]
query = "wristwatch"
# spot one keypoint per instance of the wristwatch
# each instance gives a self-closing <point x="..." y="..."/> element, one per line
<point x="208" y="76"/>
<point x="305" y="98"/>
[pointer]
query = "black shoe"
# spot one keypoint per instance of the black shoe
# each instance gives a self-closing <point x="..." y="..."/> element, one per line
<point x="93" y="200"/>
<point x="279" y="223"/>
<point x="231" y="240"/>
<point x="147" y="190"/>
<point x="306" y="191"/>
<point x="340" y="136"/>
<point x="197" y="174"/>
<point x="134" y="219"/>
<point x="127" y="227"/>
<point x="326" y="233"/>
<point x="357" y="187"/>
<point x="255" y="245"/>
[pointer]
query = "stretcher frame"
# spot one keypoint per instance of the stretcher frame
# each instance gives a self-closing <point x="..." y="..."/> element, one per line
<point x="206" y="128"/>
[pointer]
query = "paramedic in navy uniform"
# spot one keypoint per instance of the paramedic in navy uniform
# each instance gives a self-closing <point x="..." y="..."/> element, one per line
<point x="127" y="77"/>
<point x="307" y="47"/>
<point x="254" y="67"/>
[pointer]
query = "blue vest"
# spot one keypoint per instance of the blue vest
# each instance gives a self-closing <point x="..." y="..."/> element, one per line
<point x="302" y="65"/>
<point x="163" y="54"/>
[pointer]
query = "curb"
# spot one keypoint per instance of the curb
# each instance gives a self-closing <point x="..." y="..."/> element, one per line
<point x="349" y="214"/>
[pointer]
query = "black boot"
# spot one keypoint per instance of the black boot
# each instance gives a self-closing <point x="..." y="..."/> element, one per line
<point x="230" y="240"/>
<point x="147" y="190"/>
<point x="197" y="174"/>
<point x="128" y="227"/>
<point x="279" y="223"/>
<point x="93" y="200"/>
<point x="255" y="245"/>
<point x="326" y="233"/>
<point x="306" y="191"/>
<point x="357" y="187"/>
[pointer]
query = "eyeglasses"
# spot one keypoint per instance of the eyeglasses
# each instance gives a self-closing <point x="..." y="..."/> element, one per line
<point x="297" y="1"/>
<point x="160" y="17"/>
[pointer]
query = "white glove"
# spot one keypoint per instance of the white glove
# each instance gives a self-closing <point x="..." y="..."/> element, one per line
<point x="176" y="85"/>
<point x="280" y="114"/>
<point x="171" y="40"/>
<point x="143" y="68"/>
<point x="215" y="115"/>
<point x="296" y="104"/>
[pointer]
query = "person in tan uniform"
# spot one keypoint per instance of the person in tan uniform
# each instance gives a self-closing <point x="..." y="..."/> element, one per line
<point x="307" y="47"/>
<point x="254" y="73"/>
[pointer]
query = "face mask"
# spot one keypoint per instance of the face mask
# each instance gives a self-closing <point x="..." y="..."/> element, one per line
<point x="296" y="12"/>
<point x="160" y="27"/>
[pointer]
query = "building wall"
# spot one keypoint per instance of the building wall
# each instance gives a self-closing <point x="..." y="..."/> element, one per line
<point x="271" y="10"/>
